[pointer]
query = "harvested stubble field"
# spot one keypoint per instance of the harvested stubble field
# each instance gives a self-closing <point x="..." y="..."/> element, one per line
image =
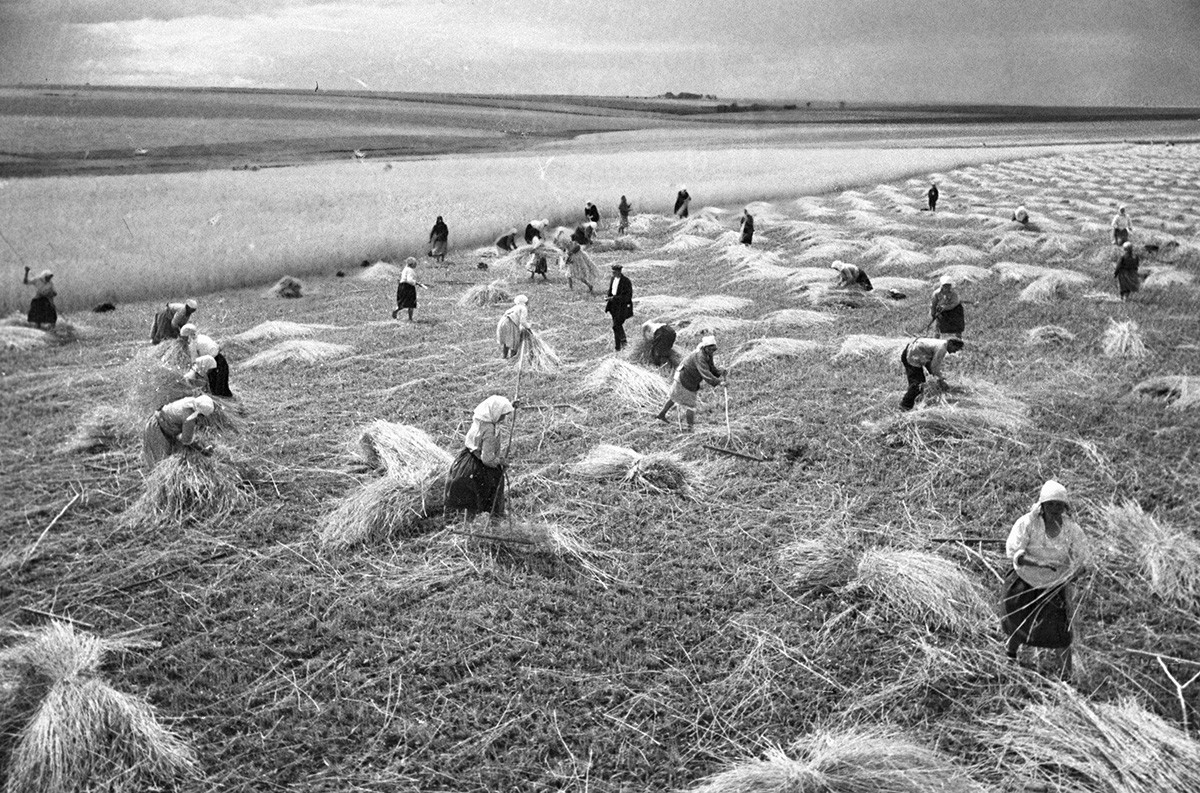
<point x="688" y="642"/>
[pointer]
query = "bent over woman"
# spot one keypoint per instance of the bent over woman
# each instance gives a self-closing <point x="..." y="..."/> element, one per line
<point x="172" y="427"/>
<point x="476" y="480"/>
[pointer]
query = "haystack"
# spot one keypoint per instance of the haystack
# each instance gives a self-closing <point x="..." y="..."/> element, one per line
<point x="386" y="508"/>
<point x="684" y="243"/>
<point x="279" y="329"/>
<point x="1016" y="272"/>
<point x="1123" y="340"/>
<point x="660" y="305"/>
<point x="485" y="295"/>
<point x="645" y="223"/>
<point x="861" y="345"/>
<point x="64" y="729"/>
<point x="381" y="272"/>
<point x="1079" y="746"/>
<point x="826" y="252"/>
<point x="104" y="428"/>
<point x="902" y="259"/>
<point x="698" y="226"/>
<point x="628" y="384"/>
<point x="854" y="760"/>
<point x="1015" y="242"/>
<point x="639" y="352"/>
<point x="660" y="472"/>
<point x="287" y="287"/>
<point x="819" y="563"/>
<point x="883" y="245"/>
<point x="923" y="588"/>
<point x="769" y="349"/>
<point x="536" y="354"/>
<point x="301" y="351"/>
<point x="14" y="338"/>
<point x="962" y="273"/>
<point x="190" y="485"/>
<point x="968" y="408"/>
<point x="1054" y="286"/>
<point x="829" y="296"/>
<point x="1178" y="391"/>
<point x="1167" y="278"/>
<point x="704" y="324"/>
<point x="625" y="243"/>
<point x="712" y="304"/>
<point x="958" y="254"/>
<point x="1061" y="246"/>
<point x="397" y="449"/>
<point x="1169" y="557"/>
<point x="1049" y="336"/>
<point x="797" y="318"/>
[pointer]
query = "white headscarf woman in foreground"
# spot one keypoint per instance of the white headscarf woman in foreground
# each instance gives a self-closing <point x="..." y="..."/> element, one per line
<point x="475" y="482"/>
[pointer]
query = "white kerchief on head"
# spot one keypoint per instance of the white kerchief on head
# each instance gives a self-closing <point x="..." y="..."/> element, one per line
<point x="493" y="409"/>
<point x="1053" y="491"/>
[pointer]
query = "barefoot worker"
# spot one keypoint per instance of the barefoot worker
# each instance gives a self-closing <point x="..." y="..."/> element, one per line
<point x="619" y="304"/>
<point x="439" y="239"/>
<point x="921" y="354"/>
<point x="1048" y="551"/>
<point x="747" y="227"/>
<point x="592" y="213"/>
<point x="1128" y="279"/>
<point x="946" y="309"/>
<point x="200" y="345"/>
<point x="682" y="199"/>
<point x="851" y="276"/>
<point x="1122" y="225"/>
<point x="932" y="194"/>
<point x="507" y="242"/>
<point x="660" y="338"/>
<point x="41" y="309"/>
<point x="172" y="427"/>
<point x="623" y="209"/>
<point x="512" y="327"/>
<point x="475" y="482"/>
<point x="169" y="321"/>
<point x="697" y="368"/>
<point x="406" y="290"/>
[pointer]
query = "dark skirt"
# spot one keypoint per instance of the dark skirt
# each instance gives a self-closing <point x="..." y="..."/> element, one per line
<point x="42" y="311"/>
<point x="1128" y="281"/>
<point x="406" y="295"/>
<point x="1037" y="617"/>
<point x="951" y="321"/>
<point x="218" y="378"/>
<point x="473" y="487"/>
<point x="747" y="236"/>
<point x="1120" y="236"/>
<point x="163" y="328"/>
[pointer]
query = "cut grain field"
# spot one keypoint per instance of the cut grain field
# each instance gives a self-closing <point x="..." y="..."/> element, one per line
<point x="625" y="633"/>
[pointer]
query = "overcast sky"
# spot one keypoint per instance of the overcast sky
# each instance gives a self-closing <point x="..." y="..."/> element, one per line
<point x="1088" y="52"/>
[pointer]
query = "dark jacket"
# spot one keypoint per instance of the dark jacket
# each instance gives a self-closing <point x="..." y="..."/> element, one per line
<point x="582" y="235"/>
<point x="507" y="242"/>
<point x="681" y="199"/>
<point x="620" y="305"/>
<point x="531" y="231"/>
<point x="592" y="213"/>
<point x="699" y="367"/>
<point x="439" y="232"/>
<point x="624" y="207"/>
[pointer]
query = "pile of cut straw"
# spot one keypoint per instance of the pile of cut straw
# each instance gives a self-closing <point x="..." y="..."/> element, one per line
<point x="302" y="351"/>
<point x="1123" y="340"/>
<point x="1179" y="391"/>
<point x="1049" y="336"/>
<point x="662" y="472"/>
<point x="287" y="287"/>
<point x="485" y="295"/>
<point x="629" y="384"/>
<point x="190" y="484"/>
<point x="923" y="588"/>
<point x="1169" y="557"/>
<point x="536" y="354"/>
<point x="768" y="349"/>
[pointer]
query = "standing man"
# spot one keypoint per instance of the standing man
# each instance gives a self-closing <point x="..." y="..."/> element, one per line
<point x="698" y="367"/>
<point x="619" y="304"/>
<point x="932" y="195"/>
<point x="919" y="355"/>
<point x="623" y="209"/>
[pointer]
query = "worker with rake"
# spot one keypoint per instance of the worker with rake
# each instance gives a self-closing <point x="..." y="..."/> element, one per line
<point x="172" y="427"/>
<point x="695" y="369"/>
<point x="946" y="310"/>
<point x="406" y="290"/>
<point x="512" y="327"/>
<point x="923" y="354"/>
<point x="475" y="482"/>
<point x="1048" y="550"/>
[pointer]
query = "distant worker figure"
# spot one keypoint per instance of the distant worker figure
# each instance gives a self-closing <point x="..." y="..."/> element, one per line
<point x="535" y="230"/>
<point x="169" y="321"/>
<point x="475" y="482"/>
<point x="932" y="194"/>
<point x="697" y="368"/>
<point x="439" y="239"/>
<point x="923" y="354"/>
<point x="623" y="209"/>
<point x="41" y="309"/>
<point x="592" y="213"/>
<point x="660" y="339"/>
<point x="406" y="290"/>
<point x="584" y="233"/>
<point x="172" y="427"/>
<point x="619" y="304"/>
<point x="507" y="242"/>
<point x="851" y="276"/>
<point x="512" y="327"/>
<point x="682" y="199"/>
<point x="946" y="310"/>
<point x="747" y="224"/>
<point x="580" y="266"/>
<point x="1122" y="225"/>
<point x="200" y="345"/>
<point x="197" y="375"/>
<point x="1048" y="551"/>
<point x="1021" y="215"/>
<point x="1126" y="273"/>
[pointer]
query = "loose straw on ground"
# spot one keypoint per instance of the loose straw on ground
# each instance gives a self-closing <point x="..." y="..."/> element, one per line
<point x="628" y="384"/>
<point x="661" y="472"/>
<point x="1168" y="557"/>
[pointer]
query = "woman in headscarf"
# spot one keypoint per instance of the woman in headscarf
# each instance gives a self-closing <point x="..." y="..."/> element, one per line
<point x="659" y="338"/>
<point x="475" y="482"/>
<point x="946" y="310"/>
<point x="1021" y="215"/>
<point x="682" y="199"/>
<point x="1122" y="224"/>
<point x="697" y="368"/>
<point x="851" y="276"/>
<point x="580" y="266"/>
<point x="439" y="239"/>
<point x="919" y="356"/>
<point x="41" y="309"/>
<point x="747" y="224"/>
<point x="623" y="209"/>
<point x="932" y="195"/>
<point x="511" y="329"/>
<point x="406" y="290"/>
<point x="535" y="230"/>
<point x="507" y="242"/>
<point x="1048" y="550"/>
<point x="584" y="233"/>
<point x="200" y="345"/>
<point x="197" y="374"/>
<point x="1126" y="273"/>
<point x="170" y="320"/>
<point x="172" y="427"/>
<point x="592" y="213"/>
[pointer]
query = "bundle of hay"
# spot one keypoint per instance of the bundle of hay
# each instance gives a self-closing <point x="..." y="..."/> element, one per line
<point x="397" y="448"/>
<point x="1049" y="336"/>
<point x="714" y="304"/>
<point x="485" y="295"/>
<point x="1015" y="272"/>
<point x="826" y="252"/>
<point x="279" y="329"/>
<point x="769" y="349"/>
<point x="102" y="429"/>
<point x="855" y="760"/>
<point x="923" y="588"/>
<point x="968" y="408"/>
<point x="660" y="305"/>
<point x="536" y="354"/>
<point x="828" y="296"/>
<point x="861" y="345"/>
<point x="857" y="201"/>
<point x="813" y="208"/>
<point x="883" y="245"/>
<point x="752" y="270"/>
<point x="698" y="226"/>
<point x="628" y="384"/>
<point x="747" y="256"/>
<point x="1078" y="746"/>
<point x="904" y="258"/>
<point x="796" y="318"/>
<point x="66" y="332"/>
<point x="958" y="254"/>
<point x="962" y="273"/>
<point x="1179" y="391"/>
<point x="386" y="508"/>
<point x="624" y="243"/>
<point x="684" y="243"/>
<point x="190" y="485"/>
<point x="639" y="352"/>
<point x="65" y="729"/>
<point x="703" y="324"/>
<point x="650" y="264"/>
<point x="644" y="224"/>
<point x="14" y="338"/>
<point x="660" y="472"/>
<point x="1169" y="557"/>
<point x="152" y="385"/>
<point x="1123" y="340"/>
<point x="381" y="272"/>
<point x="1015" y="242"/>
<point x="287" y="287"/>
<point x="548" y="539"/>
<point x="298" y="351"/>
<point x="1061" y="246"/>
<point x="1167" y="278"/>
<point x="1054" y="286"/>
<point x="820" y="563"/>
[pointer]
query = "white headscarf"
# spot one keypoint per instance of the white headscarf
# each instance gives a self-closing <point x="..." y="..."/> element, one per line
<point x="520" y="300"/>
<point x="188" y="330"/>
<point x="489" y="411"/>
<point x="204" y="364"/>
<point x="1053" y="491"/>
<point x="202" y="406"/>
